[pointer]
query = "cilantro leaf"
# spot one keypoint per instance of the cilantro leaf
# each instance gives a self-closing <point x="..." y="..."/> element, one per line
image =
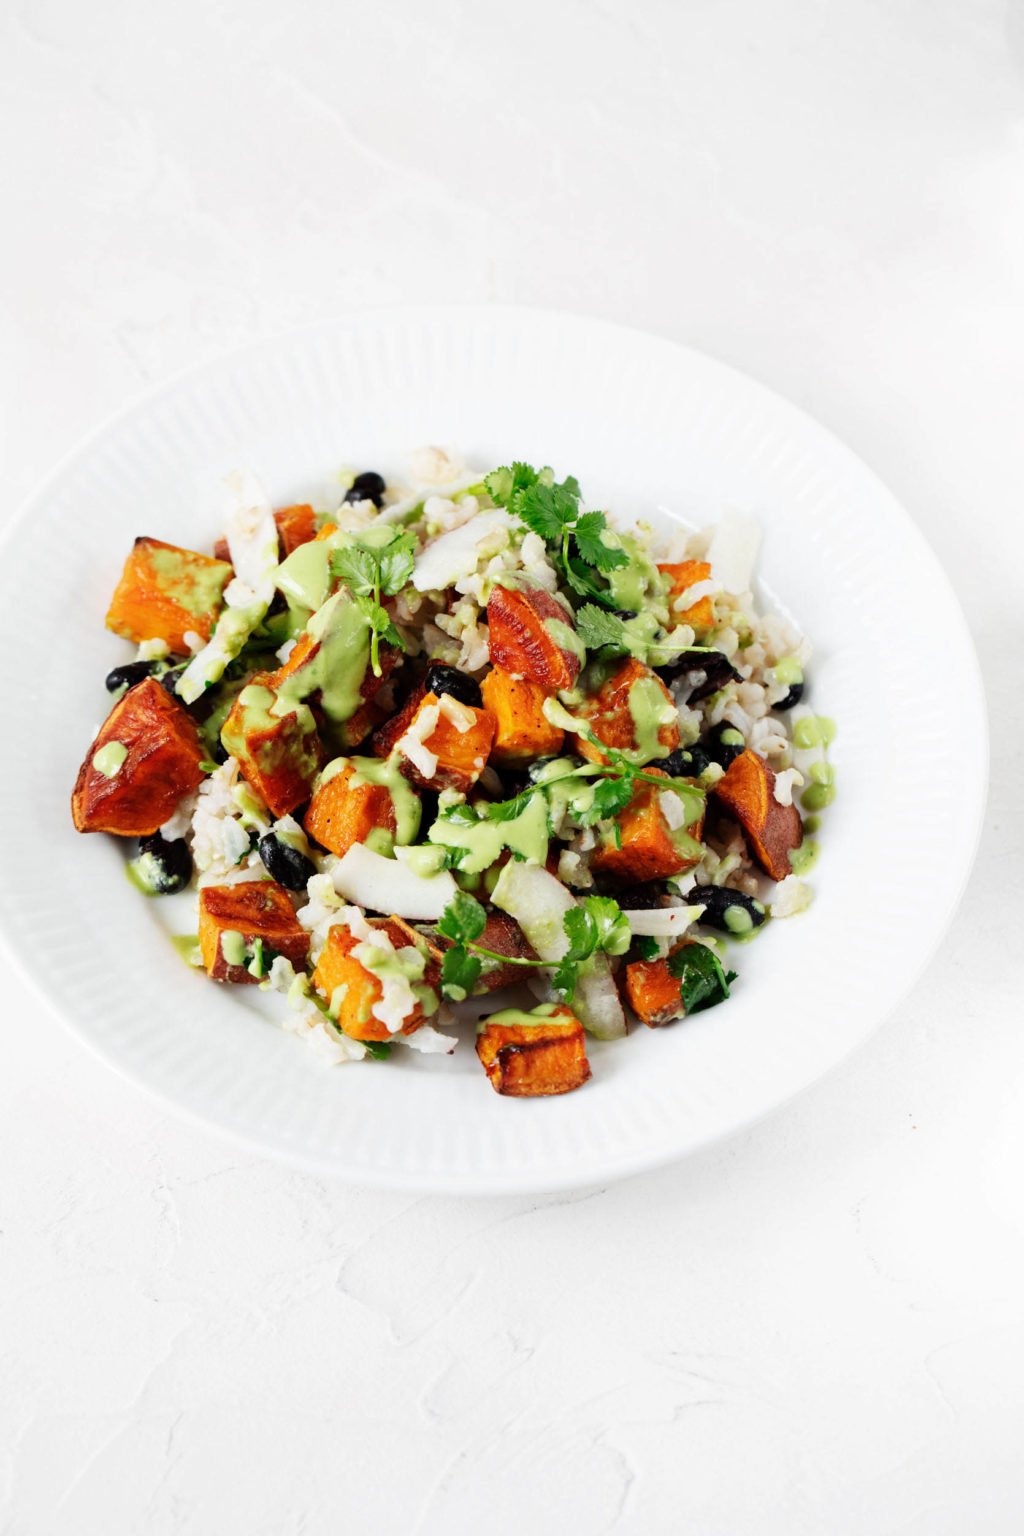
<point x="380" y="1050"/>
<point x="611" y="795"/>
<point x="356" y="567"/>
<point x="503" y="484"/>
<point x="581" y="931"/>
<point x="463" y="919"/>
<point x="460" y="972"/>
<point x="703" y="982"/>
<point x="396" y="563"/>
<point x="563" y="979"/>
<point x="587" y="532"/>
<point x="646" y="947"/>
<point x="613" y="933"/>
<point x="599" y="629"/>
<point x="508" y="810"/>
<point x="547" y="509"/>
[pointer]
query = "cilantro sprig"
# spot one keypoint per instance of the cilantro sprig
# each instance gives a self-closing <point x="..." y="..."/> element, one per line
<point x="373" y="567"/>
<point x="596" y="926"/>
<point x="703" y="982"/>
<point x="550" y="508"/>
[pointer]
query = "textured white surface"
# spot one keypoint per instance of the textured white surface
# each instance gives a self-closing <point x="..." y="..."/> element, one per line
<point x="818" y="1327"/>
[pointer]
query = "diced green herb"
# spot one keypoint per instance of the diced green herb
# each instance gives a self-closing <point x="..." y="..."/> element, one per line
<point x="703" y="981"/>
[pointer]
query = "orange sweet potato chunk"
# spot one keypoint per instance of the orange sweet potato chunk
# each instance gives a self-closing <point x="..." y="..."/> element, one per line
<point x="640" y="846"/>
<point x="162" y="753"/>
<point x="534" y="1060"/>
<point x="256" y="909"/>
<point x="682" y="575"/>
<point x="521" y="641"/>
<point x="342" y="813"/>
<point x="609" y="716"/>
<point x="654" y="994"/>
<point x="522" y="731"/>
<point x="461" y="754"/>
<point x="295" y="525"/>
<point x="338" y="967"/>
<point x="747" y="792"/>
<point x="279" y="755"/>
<point x="165" y="593"/>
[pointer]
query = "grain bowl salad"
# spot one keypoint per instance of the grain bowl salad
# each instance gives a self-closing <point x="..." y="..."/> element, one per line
<point x="462" y="748"/>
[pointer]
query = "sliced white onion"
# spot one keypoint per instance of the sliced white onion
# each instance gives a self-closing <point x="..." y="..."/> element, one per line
<point x="456" y="554"/>
<point x="539" y="902"/>
<point x="733" y="551"/>
<point x="385" y="885"/>
<point x="661" y="922"/>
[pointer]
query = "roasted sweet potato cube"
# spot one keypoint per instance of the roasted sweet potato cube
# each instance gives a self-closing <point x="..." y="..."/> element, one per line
<point x="503" y="936"/>
<point x="747" y="791"/>
<point x="346" y="809"/>
<point x="640" y="845"/>
<point x="531" y="634"/>
<point x="345" y="734"/>
<point x="654" y="994"/>
<point x="354" y="1006"/>
<point x="613" y="711"/>
<point x="233" y="917"/>
<point x="522" y="731"/>
<point x="144" y="758"/>
<point x="385" y="736"/>
<point x="166" y="593"/>
<point x="682" y="575"/>
<point x="295" y="525"/>
<point x="446" y="744"/>
<point x="533" y="1055"/>
<point x="279" y="754"/>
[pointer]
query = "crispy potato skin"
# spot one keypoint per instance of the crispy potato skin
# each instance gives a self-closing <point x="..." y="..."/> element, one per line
<point x="503" y="935"/>
<point x="144" y="605"/>
<point x="535" y="1061"/>
<point x="682" y="575"/>
<point x="646" y="850"/>
<point x="164" y="753"/>
<point x="461" y="755"/>
<point x="295" y="525"/>
<point x="520" y="639"/>
<point x="384" y="737"/>
<point x="338" y="967"/>
<point x="341" y="813"/>
<point x="257" y="909"/>
<point x="609" y="716"/>
<point x="521" y="730"/>
<point x="654" y="994"/>
<point x="747" y="791"/>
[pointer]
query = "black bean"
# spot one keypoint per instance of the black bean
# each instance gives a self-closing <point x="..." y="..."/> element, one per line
<point x="285" y="864"/>
<point x="713" y="667"/>
<point x="723" y="743"/>
<point x="719" y="902"/>
<point x="794" y="696"/>
<point x="369" y="486"/>
<point x="684" y="762"/>
<point x="624" y="613"/>
<point x="162" y="866"/>
<point x="128" y="675"/>
<point x="441" y="679"/>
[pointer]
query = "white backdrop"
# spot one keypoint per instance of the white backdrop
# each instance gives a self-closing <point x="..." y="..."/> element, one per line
<point x="818" y="1327"/>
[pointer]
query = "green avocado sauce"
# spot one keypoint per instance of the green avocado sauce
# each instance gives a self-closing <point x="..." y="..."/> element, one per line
<point x="634" y="583"/>
<point x="566" y="638"/>
<point x="196" y="585"/>
<point x="187" y="945"/>
<point x="304" y="579"/>
<point x="650" y="711"/>
<point x="484" y="842"/>
<point x="232" y="947"/>
<point x="788" y="670"/>
<point x="518" y="1018"/>
<point x="803" y="859"/>
<point x="814" y="731"/>
<point x="109" y="759"/>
